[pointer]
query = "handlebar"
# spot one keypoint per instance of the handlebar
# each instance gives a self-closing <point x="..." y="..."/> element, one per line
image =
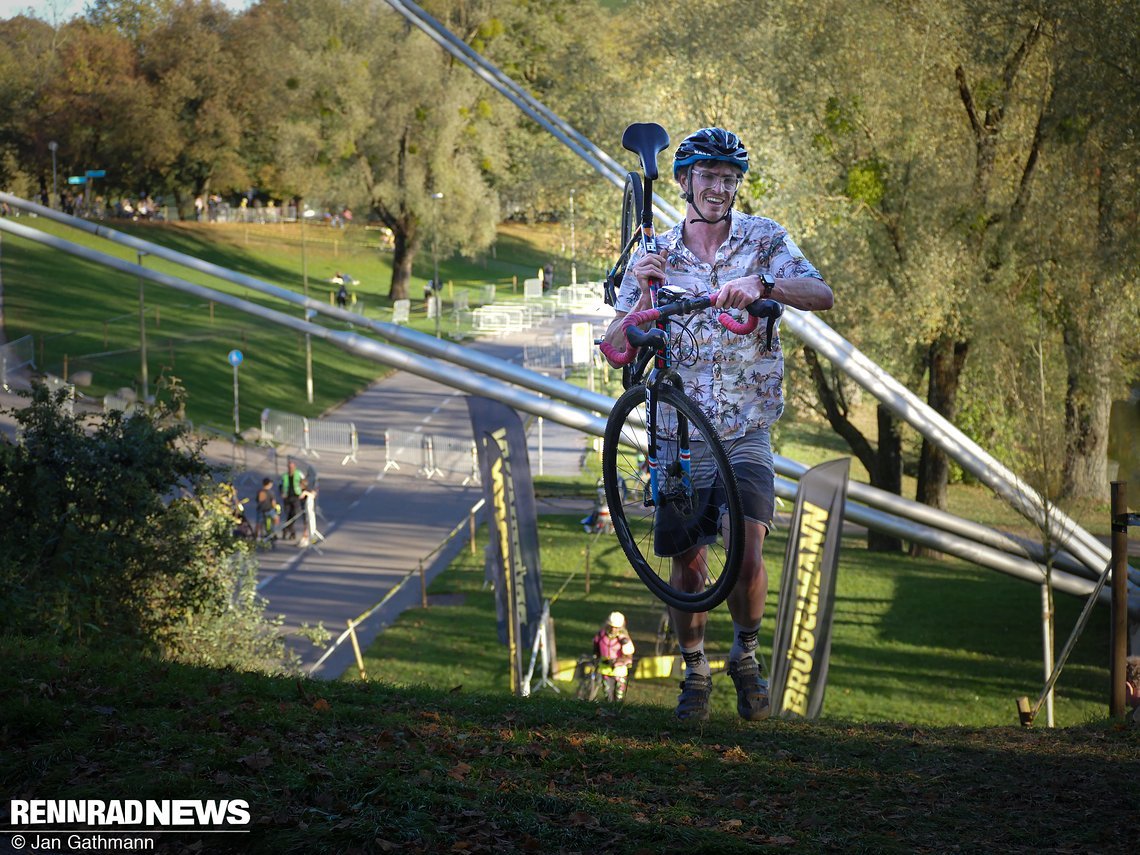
<point x="655" y="338"/>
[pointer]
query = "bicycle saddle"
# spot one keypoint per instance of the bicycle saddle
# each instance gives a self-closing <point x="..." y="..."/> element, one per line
<point x="646" y="140"/>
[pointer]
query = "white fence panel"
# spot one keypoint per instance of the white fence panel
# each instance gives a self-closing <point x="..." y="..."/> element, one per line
<point x="16" y="355"/>
<point x="283" y="428"/>
<point x="333" y="436"/>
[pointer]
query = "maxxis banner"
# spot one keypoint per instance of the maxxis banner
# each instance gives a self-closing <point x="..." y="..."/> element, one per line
<point x="802" y="643"/>
<point x="513" y="565"/>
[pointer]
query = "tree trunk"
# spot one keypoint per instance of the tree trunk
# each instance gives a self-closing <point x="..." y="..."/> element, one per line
<point x="887" y="475"/>
<point x="402" y="256"/>
<point x="1090" y="339"/>
<point x="1088" y="406"/>
<point x="946" y="360"/>
<point x="883" y="464"/>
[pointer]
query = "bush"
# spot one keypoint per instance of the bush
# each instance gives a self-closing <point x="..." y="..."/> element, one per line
<point x="115" y="530"/>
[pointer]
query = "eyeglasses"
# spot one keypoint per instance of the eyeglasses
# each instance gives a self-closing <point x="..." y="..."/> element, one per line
<point x="712" y="179"/>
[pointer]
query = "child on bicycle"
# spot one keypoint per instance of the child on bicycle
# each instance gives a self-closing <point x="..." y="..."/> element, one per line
<point x="743" y="258"/>
<point x="614" y="651"/>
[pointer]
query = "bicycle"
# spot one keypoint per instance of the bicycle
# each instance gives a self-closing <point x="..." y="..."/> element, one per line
<point x="591" y="682"/>
<point x="655" y="418"/>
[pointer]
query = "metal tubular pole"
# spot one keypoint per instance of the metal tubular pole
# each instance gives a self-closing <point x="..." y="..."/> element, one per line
<point x="1119" y="636"/>
<point x="305" y="282"/>
<point x="142" y="333"/>
<point x="484" y="365"/>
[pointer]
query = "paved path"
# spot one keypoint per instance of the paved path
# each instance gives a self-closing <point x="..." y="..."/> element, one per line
<point x="380" y="521"/>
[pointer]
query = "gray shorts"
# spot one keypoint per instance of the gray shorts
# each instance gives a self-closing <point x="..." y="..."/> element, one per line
<point x="751" y="459"/>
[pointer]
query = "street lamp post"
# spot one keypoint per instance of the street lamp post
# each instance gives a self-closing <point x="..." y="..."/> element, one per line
<point x="306" y="213"/>
<point x="435" y="284"/>
<point x="142" y="334"/>
<point x="53" y="145"/>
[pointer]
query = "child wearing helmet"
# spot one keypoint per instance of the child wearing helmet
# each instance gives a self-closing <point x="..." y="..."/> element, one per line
<point x="614" y="651"/>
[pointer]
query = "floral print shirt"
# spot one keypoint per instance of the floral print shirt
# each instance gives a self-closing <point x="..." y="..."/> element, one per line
<point x="731" y="378"/>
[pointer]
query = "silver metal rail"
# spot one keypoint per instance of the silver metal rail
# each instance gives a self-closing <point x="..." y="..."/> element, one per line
<point x="882" y="511"/>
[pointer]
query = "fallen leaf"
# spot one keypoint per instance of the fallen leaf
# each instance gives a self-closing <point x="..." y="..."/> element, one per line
<point x="458" y="771"/>
<point x="257" y="762"/>
<point x="735" y="754"/>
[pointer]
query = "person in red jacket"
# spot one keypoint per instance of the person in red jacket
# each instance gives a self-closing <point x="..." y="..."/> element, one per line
<point x="614" y="649"/>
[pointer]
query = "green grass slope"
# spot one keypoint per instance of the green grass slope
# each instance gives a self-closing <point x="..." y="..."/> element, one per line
<point x="353" y="767"/>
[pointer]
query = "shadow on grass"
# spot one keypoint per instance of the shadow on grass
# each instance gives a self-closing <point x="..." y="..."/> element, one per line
<point x="339" y="767"/>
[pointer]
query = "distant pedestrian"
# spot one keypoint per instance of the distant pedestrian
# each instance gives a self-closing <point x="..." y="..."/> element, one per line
<point x="268" y="509"/>
<point x="341" y="291"/>
<point x="292" y="489"/>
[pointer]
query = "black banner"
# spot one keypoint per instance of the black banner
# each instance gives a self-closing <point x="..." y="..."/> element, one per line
<point x="512" y="556"/>
<point x="802" y="642"/>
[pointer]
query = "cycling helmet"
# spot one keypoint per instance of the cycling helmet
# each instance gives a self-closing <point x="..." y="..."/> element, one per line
<point x="616" y="620"/>
<point x="711" y="144"/>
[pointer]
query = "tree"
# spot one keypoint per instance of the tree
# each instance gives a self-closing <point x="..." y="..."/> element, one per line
<point x="936" y="160"/>
<point x="96" y="106"/>
<point x="375" y="112"/>
<point x="28" y="57"/>
<point x="1086" y="243"/>
<point x="193" y="63"/>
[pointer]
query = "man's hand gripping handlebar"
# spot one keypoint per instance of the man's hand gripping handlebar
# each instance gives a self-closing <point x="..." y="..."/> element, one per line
<point x="639" y="338"/>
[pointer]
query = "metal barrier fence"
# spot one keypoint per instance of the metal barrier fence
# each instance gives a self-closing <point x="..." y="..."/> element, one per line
<point x="279" y="428"/>
<point x="310" y="436"/>
<point x="332" y="436"/>
<point x="549" y="357"/>
<point x="431" y="456"/>
<point x="16" y="355"/>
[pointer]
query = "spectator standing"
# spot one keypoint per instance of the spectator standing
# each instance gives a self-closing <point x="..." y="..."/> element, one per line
<point x="292" y="489"/>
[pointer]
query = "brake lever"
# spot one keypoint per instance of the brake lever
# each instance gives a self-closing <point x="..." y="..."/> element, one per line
<point x="771" y="310"/>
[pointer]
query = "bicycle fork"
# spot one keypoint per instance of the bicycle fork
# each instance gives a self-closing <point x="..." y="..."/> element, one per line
<point x="676" y="478"/>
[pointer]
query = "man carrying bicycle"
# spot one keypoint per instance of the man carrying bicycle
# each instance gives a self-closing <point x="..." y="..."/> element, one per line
<point x="734" y="380"/>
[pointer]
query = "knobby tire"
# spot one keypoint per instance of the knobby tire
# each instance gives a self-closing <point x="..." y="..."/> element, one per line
<point x="634" y="523"/>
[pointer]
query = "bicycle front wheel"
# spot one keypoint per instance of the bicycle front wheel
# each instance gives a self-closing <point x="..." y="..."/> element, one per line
<point x="696" y="512"/>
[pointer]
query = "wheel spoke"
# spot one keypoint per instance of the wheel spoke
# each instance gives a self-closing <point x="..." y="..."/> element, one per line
<point x="689" y="498"/>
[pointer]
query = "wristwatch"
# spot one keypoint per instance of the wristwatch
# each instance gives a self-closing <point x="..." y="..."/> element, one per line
<point x="769" y="283"/>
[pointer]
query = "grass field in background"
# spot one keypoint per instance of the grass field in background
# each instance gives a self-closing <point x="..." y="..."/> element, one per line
<point x="84" y="317"/>
<point x="928" y="642"/>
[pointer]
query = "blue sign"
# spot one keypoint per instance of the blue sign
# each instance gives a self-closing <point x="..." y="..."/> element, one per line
<point x="235" y="358"/>
<point x="77" y="179"/>
<point x="96" y="173"/>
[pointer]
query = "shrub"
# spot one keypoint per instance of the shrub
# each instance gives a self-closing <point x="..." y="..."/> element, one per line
<point x="115" y="530"/>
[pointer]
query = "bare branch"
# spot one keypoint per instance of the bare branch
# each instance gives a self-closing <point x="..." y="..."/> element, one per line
<point x="968" y="102"/>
